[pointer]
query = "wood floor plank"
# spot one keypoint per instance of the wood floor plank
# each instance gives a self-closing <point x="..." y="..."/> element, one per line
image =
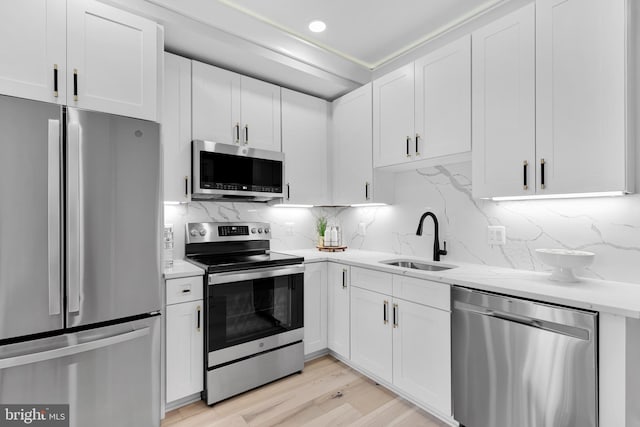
<point x="327" y="393"/>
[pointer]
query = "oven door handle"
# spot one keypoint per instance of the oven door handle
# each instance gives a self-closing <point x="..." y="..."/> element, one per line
<point x="258" y="273"/>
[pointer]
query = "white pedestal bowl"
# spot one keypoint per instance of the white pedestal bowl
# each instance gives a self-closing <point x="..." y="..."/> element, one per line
<point x="564" y="261"/>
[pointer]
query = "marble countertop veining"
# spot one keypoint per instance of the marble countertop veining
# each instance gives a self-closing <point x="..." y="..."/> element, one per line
<point x="617" y="298"/>
<point x="182" y="268"/>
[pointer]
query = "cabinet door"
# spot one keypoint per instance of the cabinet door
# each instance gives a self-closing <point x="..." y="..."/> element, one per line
<point x="216" y="104"/>
<point x="503" y="106"/>
<point x="176" y="128"/>
<point x="338" y="309"/>
<point x="422" y="354"/>
<point x="315" y="307"/>
<point x="185" y="350"/>
<point x="371" y="335"/>
<point x="304" y="143"/>
<point x="33" y="46"/>
<point x="112" y="58"/>
<point x="351" y="168"/>
<point x="393" y="117"/>
<point x="580" y="105"/>
<point x="260" y="113"/>
<point x="443" y="101"/>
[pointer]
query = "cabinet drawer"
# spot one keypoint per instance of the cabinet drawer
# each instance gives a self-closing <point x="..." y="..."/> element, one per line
<point x="372" y="280"/>
<point x="184" y="289"/>
<point x="422" y="291"/>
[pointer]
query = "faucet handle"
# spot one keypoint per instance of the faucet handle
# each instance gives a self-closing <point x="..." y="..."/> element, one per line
<point x="444" y="251"/>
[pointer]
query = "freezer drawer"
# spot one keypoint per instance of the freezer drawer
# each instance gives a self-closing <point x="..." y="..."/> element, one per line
<point x="109" y="376"/>
<point x="522" y="363"/>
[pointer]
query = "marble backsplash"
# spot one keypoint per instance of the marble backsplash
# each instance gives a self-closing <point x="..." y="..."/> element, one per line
<point x="610" y="227"/>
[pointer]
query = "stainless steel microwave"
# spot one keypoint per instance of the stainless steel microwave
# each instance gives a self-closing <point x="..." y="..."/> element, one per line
<point x="235" y="173"/>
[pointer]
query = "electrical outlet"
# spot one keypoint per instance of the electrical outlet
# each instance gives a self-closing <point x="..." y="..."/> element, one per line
<point x="289" y="228"/>
<point x="497" y="235"/>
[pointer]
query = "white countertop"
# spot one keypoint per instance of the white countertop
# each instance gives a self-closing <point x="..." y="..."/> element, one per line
<point x="617" y="298"/>
<point x="182" y="269"/>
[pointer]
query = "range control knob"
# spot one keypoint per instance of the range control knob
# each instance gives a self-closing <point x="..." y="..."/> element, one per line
<point x="260" y="230"/>
<point x="194" y="232"/>
<point x="253" y="230"/>
<point x="203" y="232"/>
<point x="266" y="231"/>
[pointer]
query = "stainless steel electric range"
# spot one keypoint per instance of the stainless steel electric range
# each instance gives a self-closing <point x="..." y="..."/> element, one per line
<point x="253" y="307"/>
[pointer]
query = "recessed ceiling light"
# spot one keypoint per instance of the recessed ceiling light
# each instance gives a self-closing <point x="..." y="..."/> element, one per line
<point x="317" y="26"/>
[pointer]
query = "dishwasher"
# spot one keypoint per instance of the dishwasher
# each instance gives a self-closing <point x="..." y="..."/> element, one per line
<point x="522" y="363"/>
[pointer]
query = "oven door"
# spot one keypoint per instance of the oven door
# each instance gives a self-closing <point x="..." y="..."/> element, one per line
<point x="223" y="171"/>
<point x="253" y="311"/>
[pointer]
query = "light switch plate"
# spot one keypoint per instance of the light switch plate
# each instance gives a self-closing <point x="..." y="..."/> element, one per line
<point x="497" y="235"/>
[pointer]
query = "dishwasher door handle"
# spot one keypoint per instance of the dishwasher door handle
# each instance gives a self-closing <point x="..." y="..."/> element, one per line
<point x="545" y="325"/>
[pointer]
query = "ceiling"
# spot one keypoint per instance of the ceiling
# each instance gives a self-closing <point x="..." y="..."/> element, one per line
<point x="367" y="32"/>
<point x="270" y="39"/>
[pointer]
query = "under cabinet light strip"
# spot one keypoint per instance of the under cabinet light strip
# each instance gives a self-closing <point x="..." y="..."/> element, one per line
<point x="558" y="196"/>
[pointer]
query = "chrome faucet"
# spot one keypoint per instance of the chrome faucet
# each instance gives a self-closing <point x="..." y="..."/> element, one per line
<point x="436" y="244"/>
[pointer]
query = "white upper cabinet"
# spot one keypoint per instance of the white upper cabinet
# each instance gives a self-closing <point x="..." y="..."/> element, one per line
<point x="33" y="47"/>
<point x="112" y="60"/>
<point x="176" y="128"/>
<point x="393" y="117"/>
<point x="580" y="104"/>
<point x="80" y="53"/>
<point x="260" y="112"/>
<point x="504" y="106"/>
<point x="421" y="112"/>
<point x="234" y="109"/>
<point x="443" y="101"/>
<point x="549" y="101"/>
<point x="353" y="179"/>
<point x="304" y="143"/>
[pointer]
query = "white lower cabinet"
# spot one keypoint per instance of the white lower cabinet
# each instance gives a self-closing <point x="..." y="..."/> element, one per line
<point x="315" y="307"/>
<point x="184" y="339"/>
<point x="338" y="309"/>
<point x="422" y="354"/>
<point x="401" y="342"/>
<point x="371" y="333"/>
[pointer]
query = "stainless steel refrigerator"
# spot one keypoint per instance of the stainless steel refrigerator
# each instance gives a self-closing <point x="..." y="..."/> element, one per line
<point x="80" y="263"/>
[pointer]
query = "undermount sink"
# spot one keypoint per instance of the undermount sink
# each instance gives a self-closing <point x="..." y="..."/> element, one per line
<point x="416" y="265"/>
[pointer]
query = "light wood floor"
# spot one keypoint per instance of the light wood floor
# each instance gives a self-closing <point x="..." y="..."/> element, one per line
<point x="327" y="393"/>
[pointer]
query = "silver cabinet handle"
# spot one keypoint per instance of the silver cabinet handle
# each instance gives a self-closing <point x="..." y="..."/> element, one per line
<point x="186" y="186"/>
<point x="344" y="278"/>
<point x="408" y="142"/>
<point x="237" y="126"/>
<point x="199" y="311"/>
<point x="542" y="163"/>
<point x="366" y="191"/>
<point x="246" y="134"/>
<point x="417" y="144"/>
<point x="53" y="214"/>
<point x="74" y="216"/>
<point x="525" y="165"/>
<point x="27" y="359"/>
<point x="288" y="191"/>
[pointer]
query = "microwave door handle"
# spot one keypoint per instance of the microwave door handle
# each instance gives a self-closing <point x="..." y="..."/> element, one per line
<point x="74" y="259"/>
<point x="53" y="214"/>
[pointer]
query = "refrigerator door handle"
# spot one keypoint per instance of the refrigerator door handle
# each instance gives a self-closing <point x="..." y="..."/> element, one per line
<point x="27" y="359"/>
<point x="74" y="216"/>
<point x="53" y="214"/>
